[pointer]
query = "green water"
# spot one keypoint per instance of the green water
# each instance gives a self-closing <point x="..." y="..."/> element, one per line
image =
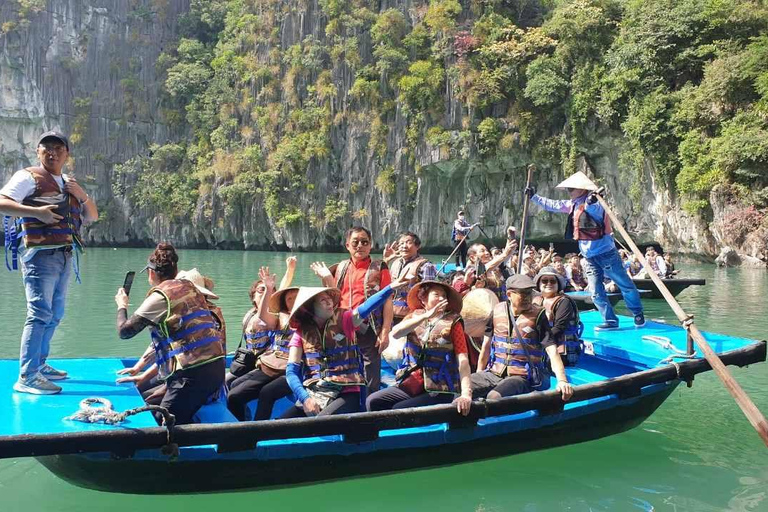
<point x="697" y="452"/>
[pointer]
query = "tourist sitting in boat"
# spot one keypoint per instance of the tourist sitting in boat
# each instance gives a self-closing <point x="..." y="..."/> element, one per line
<point x="656" y="263"/>
<point x="188" y="344"/>
<point x="504" y="267"/>
<point x="435" y="367"/>
<point x="559" y="266"/>
<point x="152" y="389"/>
<point x="562" y="313"/>
<point x="267" y="381"/>
<point x="509" y="365"/>
<point x="486" y="273"/>
<point x="409" y="261"/>
<point x="458" y="280"/>
<point x="671" y="272"/>
<point x="575" y="274"/>
<point x="634" y="266"/>
<point x="529" y="264"/>
<point x="324" y="346"/>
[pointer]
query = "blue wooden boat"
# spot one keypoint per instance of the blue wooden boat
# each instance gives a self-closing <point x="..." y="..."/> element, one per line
<point x="623" y="377"/>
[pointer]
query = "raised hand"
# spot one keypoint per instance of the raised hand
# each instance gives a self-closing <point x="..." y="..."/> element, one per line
<point x="320" y="269"/>
<point x="437" y="309"/>
<point x="290" y="262"/>
<point x="390" y="251"/>
<point x="121" y="298"/>
<point x="267" y="278"/>
<point x="46" y="215"/>
<point x="401" y="281"/>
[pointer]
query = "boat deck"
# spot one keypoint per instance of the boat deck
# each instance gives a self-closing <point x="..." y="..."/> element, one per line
<point x="624" y="348"/>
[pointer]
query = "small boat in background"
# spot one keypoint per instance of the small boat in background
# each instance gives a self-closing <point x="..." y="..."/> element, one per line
<point x="675" y="286"/>
<point x="623" y="376"/>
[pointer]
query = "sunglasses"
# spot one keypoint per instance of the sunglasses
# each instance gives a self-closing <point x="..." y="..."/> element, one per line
<point x="548" y="281"/>
<point x="355" y="243"/>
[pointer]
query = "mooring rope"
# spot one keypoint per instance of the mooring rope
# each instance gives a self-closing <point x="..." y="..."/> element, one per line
<point x="666" y="344"/>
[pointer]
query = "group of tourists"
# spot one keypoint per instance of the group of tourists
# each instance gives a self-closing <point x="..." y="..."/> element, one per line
<point x="322" y="345"/>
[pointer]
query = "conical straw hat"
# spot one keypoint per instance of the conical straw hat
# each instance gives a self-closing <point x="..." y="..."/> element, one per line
<point x="277" y="300"/>
<point x="477" y="309"/>
<point x="307" y="293"/>
<point x="578" y="180"/>
<point x="195" y="277"/>
<point x="454" y="298"/>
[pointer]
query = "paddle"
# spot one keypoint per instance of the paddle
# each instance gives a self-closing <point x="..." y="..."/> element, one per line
<point x="748" y="407"/>
<point x="463" y="240"/>
<point x="524" y="226"/>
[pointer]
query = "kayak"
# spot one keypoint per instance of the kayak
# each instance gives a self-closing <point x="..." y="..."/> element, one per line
<point x="623" y="376"/>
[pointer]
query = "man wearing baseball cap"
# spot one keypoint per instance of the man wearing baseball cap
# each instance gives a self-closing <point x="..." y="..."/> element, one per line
<point x="589" y="224"/>
<point x="49" y="207"/>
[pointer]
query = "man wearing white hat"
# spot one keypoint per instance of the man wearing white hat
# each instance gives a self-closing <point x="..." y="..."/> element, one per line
<point x="589" y="224"/>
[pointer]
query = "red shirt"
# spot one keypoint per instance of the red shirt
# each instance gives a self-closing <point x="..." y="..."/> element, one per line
<point x="356" y="277"/>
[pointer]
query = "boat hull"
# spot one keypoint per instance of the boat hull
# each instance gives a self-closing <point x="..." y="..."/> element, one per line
<point x="675" y="286"/>
<point x="152" y="476"/>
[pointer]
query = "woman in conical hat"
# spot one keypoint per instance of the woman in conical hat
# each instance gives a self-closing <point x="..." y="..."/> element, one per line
<point x="590" y="225"/>
<point x="435" y="368"/>
<point x="267" y="382"/>
<point x="324" y="368"/>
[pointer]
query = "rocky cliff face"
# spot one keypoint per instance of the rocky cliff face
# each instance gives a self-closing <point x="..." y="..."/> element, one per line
<point x="87" y="67"/>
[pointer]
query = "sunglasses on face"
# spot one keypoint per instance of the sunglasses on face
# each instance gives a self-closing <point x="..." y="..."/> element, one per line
<point x="549" y="281"/>
<point x="355" y="243"/>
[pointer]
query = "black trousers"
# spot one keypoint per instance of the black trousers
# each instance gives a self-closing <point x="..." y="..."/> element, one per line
<point x="396" y="398"/>
<point x="256" y="384"/>
<point x="371" y="359"/>
<point x="189" y="389"/>
<point x="461" y="254"/>
<point x="345" y="403"/>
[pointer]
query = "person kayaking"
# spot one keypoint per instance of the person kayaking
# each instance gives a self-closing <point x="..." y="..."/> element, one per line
<point x="589" y="224"/>
<point x="435" y="366"/>
<point x="188" y="344"/>
<point x="324" y="369"/>
<point x="267" y="381"/>
<point x="358" y="278"/>
<point x="506" y="367"/>
<point x="49" y="207"/>
<point x="562" y="313"/>
<point x="409" y="261"/>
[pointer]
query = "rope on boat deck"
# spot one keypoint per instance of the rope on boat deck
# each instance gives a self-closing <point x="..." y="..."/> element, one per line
<point x="666" y="343"/>
<point x="100" y="410"/>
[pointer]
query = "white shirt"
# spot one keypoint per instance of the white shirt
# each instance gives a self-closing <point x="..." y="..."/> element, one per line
<point x="21" y="186"/>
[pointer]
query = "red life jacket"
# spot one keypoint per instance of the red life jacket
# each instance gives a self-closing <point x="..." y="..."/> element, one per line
<point x="330" y="355"/>
<point x="399" y="302"/>
<point x="582" y="226"/>
<point x="507" y="354"/>
<point x="430" y="347"/>
<point x="189" y="335"/>
<point x="372" y="285"/>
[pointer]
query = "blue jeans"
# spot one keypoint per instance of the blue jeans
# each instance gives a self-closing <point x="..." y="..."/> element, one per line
<point x="609" y="264"/>
<point x="45" y="277"/>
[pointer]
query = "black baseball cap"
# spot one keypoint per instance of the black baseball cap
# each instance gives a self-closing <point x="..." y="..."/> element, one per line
<point x="54" y="135"/>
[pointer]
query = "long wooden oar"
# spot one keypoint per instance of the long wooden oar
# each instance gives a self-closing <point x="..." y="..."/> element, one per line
<point x="748" y="407"/>
<point x="524" y="224"/>
<point x="463" y="240"/>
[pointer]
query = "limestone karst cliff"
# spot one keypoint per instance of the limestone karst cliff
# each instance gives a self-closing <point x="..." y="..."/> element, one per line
<point x="278" y="123"/>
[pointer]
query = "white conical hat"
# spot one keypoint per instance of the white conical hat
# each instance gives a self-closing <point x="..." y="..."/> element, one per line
<point x="578" y="180"/>
<point x="196" y="278"/>
<point x="307" y="293"/>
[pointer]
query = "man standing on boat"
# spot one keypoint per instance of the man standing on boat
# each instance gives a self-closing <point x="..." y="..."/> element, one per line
<point x="461" y="229"/>
<point x="50" y="207"/>
<point x="589" y="224"/>
<point x="359" y="278"/>
<point x="410" y="262"/>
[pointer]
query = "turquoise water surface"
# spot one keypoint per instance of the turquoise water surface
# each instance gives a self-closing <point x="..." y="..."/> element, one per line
<point x="697" y="452"/>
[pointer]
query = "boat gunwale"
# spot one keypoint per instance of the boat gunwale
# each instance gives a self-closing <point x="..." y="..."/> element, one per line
<point x="356" y="427"/>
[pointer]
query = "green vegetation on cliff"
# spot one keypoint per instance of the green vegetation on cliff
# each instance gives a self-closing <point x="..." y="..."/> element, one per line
<point x="685" y="82"/>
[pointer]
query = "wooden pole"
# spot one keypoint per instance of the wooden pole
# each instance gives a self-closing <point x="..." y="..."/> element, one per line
<point x="524" y="224"/>
<point x="748" y="407"/>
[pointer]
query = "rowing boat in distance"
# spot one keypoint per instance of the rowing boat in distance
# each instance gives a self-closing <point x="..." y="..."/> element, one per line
<point x="621" y="379"/>
<point x="675" y="286"/>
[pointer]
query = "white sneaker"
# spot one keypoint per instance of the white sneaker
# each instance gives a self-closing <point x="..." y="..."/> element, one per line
<point x="51" y="373"/>
<point x="36" y="385"/>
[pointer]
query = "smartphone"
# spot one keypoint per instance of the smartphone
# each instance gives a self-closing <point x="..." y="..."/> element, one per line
<point x="480" y="268"/>
<point x="551" y="247"/>
<point x="511" y="233"/>
<point x="128" y="282"/>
